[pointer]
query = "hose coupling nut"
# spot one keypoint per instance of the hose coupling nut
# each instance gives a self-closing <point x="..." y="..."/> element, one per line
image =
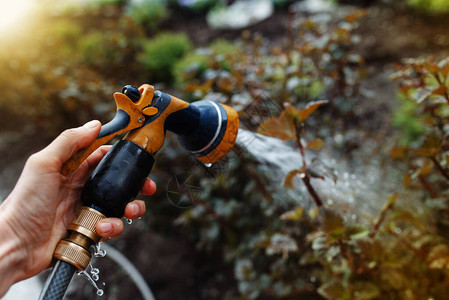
<point x="75" y="248"/>
<point x="85" y="222"/>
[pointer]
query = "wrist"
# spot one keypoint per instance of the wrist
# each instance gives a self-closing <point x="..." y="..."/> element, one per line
<point x="12" y="253"/>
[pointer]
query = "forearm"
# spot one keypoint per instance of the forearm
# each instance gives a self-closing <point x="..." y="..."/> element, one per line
<point x="12" y="254"/>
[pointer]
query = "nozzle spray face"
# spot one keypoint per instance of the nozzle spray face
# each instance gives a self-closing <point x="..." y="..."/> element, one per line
<point x="215" y="134"/>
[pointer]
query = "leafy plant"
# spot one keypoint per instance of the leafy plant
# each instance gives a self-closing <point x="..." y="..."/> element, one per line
<point x="316" y="61"/>
<point x="195" y="63"/>
<point x="195" y="7"/>
<point x="406" y="118"/>
<point x="149" y="13"/>
<point x="284" y="249"/>
<point x="433" y="6"/>
<point x="113" y="51"/>
<point x="424" y="82"/>
<point x="290" y="125"/>
<point x="160" y="54"/>
<point x="57" y="90"/>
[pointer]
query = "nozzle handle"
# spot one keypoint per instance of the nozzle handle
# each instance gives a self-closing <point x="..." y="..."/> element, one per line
<point x="117" y="179"/>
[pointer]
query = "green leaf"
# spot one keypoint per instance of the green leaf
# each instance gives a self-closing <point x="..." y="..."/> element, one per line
<point x="407" y="181"/>
<point x="288" y="181"/>
<point x="313" y="213"/>
<point x="315" y="144"/>
<point x="445" y="71"/>
<point x="364" y="290"/>
<point x="281" y="127"/>
<point x="281" y="243"/>
<point x="394" y="277"/>
<point x="427" y="152"/>
<point x="332" y="222"/>
<point x="438" y="257"/>
<point x="427" y="168"/>
<point x="332" y="290"/>
<point x="358" y="232"/>
<point x="422" y="94"/>
<point x="441" y="90"/>
<point x="303" y="114"/>
<point x="398" y="152"/>
<point x="293" y="214"/>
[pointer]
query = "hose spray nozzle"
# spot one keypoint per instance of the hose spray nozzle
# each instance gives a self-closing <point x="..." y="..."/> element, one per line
<point x="205" y="128"/>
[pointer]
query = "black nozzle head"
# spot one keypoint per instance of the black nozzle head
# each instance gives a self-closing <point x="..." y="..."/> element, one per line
<point x="131" y="92"/>
<point x="209" y="130"/>
<point x="215" y="131"/>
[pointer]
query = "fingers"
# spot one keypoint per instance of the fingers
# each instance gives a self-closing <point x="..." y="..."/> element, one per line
<point x="113" y="227"/>
<point x="66" y="144"/>
<point x="83" y="171"/>
<point x="149" y="187"/>
<point x="135" y="209"/>
<point x="109" y="227"/>
<point x="93" y="159"/>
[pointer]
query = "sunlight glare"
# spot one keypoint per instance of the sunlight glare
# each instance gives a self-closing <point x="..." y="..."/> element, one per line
<point x="14" y="13"/>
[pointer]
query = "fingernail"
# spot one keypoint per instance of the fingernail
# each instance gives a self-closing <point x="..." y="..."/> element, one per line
<point x="91" y="124"/>
<point x="135" y="209"/>
<point x="106" y="227"/>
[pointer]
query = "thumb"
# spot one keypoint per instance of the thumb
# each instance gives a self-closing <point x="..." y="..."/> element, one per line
<point x="70" y="141"/>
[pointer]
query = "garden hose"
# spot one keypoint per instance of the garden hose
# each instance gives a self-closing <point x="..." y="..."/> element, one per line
<point x="58" y="281"/>
<point x="207" y="129"/>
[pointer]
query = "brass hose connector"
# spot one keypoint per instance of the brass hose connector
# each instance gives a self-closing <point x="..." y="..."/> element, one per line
<point x="75" y="248"/>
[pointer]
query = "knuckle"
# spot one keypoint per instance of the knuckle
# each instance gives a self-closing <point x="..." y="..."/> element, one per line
<point x="36" y="160"/>
<point x="41" y="160"/>
<point x="69" y="134"/>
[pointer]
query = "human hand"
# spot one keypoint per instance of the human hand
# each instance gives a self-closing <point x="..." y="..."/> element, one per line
<point x="35" y="216"/>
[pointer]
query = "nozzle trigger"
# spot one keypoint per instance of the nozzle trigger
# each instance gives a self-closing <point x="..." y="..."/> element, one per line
<point x="130" y="115"/>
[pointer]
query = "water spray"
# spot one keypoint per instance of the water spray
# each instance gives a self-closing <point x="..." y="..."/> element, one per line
<point x="207" y="129"/>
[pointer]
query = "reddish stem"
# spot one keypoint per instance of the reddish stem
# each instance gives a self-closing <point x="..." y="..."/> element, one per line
<point x="304" y="176"/>
<point x="426" y="185"/>
<point x="380" y="220"/>
<point x="440" y="168"/>
<point x="311" y="190"/>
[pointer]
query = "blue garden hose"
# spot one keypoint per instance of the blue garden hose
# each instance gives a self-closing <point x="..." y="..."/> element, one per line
<point x="58" y="281"/>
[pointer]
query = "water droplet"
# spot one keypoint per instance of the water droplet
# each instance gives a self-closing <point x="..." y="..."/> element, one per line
<point x="312" y="279"/>
<point x="208" y="165"/>
<point x="91" y="278"/>
<point x="98" y="252"/>
<point x="103" y="283"/>
<point x="397" y="230"/>
<point x="139" y="218"/>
